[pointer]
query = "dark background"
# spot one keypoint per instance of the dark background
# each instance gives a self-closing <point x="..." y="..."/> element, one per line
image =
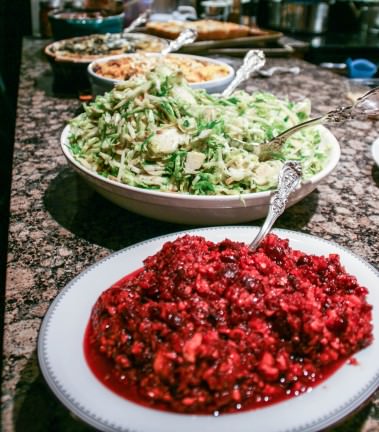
<point x="15" y="22"/>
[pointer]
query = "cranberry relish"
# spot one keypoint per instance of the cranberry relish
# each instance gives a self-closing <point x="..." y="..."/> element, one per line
<point x="208" y="328"/>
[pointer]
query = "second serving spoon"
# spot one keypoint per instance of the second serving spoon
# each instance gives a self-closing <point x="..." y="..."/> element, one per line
<point x="366" y="106"/>
<point x="289" y="179"/>
<point x="252" y="62"/>
<point x="142" y="19"/>
<point x="186" y="37"/>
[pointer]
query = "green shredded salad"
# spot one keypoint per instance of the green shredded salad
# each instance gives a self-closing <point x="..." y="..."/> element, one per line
<point x="156" y="132"/>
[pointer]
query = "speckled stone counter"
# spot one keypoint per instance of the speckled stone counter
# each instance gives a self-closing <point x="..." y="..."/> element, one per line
<point x="59" y="226"/>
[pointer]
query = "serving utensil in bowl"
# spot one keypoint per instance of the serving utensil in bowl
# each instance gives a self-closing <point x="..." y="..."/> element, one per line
<point x="365" y="106"/>
<point x="186" y="37"/>
<point x="252" y="62"/>
<point x="141" y="19"/>
<point x="289" y="179"/>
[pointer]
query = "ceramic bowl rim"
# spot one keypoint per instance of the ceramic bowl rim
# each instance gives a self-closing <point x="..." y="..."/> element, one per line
<point x="210" y="83"/>
<point x="227" y="199"/>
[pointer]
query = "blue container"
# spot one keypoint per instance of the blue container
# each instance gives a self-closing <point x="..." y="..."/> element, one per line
<point x="360" y="68"/>
<point x="67" y="24"/>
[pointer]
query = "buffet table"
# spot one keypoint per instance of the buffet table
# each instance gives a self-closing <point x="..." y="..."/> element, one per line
<point x="59" y="226"/>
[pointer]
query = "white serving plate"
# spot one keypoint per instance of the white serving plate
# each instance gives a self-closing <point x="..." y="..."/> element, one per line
<point x="100" y="84"/>
<point x="62" y="362"/>
<point x="194" y="209"/>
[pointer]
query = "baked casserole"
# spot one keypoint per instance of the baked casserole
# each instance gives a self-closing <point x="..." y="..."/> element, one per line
<point x="194" y="70"/>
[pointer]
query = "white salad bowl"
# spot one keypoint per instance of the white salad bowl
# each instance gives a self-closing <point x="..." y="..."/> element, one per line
<point x="194" y="209"/>
<point x="100" y="84"/>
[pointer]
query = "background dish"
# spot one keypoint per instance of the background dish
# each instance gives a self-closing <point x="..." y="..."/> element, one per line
<point x="66" y="372"/>
<point x="71" y="72"/>
<point x="194" y="209"/>
<point x="66" y="24"/>
<point x="207" y="29"/>
<point x="101" y="84"/>
<point x="268" y="40"/>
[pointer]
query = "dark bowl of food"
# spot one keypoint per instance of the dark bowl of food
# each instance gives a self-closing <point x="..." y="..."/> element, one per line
<point x="66" y="24"/>
<point x="69" y="58"/>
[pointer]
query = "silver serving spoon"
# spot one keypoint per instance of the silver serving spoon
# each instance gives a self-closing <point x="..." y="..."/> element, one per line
<point x="365" y="106"/>
<point x="252" y="62"/>
<point x="186" y="37"/>
<point x="289" y="178"/>
<point x="142" y="19"/>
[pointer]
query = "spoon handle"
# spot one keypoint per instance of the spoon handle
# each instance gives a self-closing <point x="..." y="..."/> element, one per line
<point x="253" y="61"/>
<point x="138" y="21"/>
<point x="289" y="178"/>
<point x="186" y="37"/>
<point x="295" y="70"/>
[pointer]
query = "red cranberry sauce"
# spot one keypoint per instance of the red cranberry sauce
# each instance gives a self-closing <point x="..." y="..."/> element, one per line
<point x="210" y="328"/>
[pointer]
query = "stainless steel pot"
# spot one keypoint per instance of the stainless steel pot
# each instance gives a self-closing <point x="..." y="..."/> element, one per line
<point x="368" y="15"/>
<point x="298" y="16"/>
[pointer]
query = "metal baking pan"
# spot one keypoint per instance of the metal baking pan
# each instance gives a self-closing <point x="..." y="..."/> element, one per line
<point x="257" y="41"/>
<point x="281" y="50"/>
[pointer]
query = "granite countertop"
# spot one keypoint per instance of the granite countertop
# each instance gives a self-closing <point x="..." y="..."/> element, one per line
<point x="59" y="226"/>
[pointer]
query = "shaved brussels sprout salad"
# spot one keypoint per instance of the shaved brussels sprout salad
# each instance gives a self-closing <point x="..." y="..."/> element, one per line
<point x="156" y="132"/>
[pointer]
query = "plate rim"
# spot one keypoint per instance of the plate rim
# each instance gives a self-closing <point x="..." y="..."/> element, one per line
<point x="85" y="61"/>
<point x="327" y="420"/>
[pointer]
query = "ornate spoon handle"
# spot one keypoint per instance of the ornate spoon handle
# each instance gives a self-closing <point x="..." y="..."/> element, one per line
<point x="253" y="61"/>
<point x="186" y="37"/>
<point x="289" y="178"/>
<point x="137" y="22"/>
